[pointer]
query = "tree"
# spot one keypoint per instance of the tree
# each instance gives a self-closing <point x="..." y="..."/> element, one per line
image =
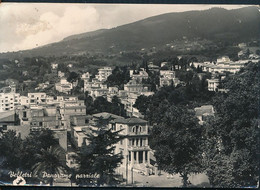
<point x="50" y="161"/>
<point x="73" y="76"/>
<point x="34" y="143"/>
<point x="97" y="159"/>
<point x="119" y="77"/>
<point x="177" y="142"/>
<point x="11" y="150"/>
<point x="231" y="135"/>
<point x="89" y="103"/>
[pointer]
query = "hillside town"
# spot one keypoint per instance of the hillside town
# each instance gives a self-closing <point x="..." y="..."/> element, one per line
<point x="65" y="113"/>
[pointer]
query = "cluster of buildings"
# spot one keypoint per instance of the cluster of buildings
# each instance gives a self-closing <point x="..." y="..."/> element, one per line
<point x="66" y="117"/>
<point x="134" y="88"/>
<point x="220" y="68"/>
<point x="167" y="78"/>
<point x="133" y="146"/>
<point x="37" y="111"/>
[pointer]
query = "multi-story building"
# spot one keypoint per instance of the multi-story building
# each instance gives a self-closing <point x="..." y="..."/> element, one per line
<point x="213" y="84"/>
<point x="8" y="101"/>
<point x="85" y="76"/>
<point x="134" y="86"/>
<point x="64" y="86"/>
<point x="9" y="120"/>
<point x="88" y="86"/>
<point x="140" y="75"/>
<point x="223" y="64"/>
<point x="37" y="98"/>
<point x="134" y="147"/>
<point x="44" y="117"/>
<point x="103" y="73"/>
<point x="98" y="92"/>
<point x="71" y="108"/>
<point x="167" y="78"/>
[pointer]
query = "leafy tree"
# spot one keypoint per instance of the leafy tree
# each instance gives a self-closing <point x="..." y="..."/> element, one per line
<point x="34" y="143"/>
<point x="97" y="158"/>
<point x="142" y="103"/>
<point x="231" y="148"/>
<point x="73" y="76"/>
<point x="51" y="161"/>
<point x="11" y="150"/>
<point x="177" y="142"/>
<point x="257" y="52"/>
<point x="119" y="77"/>
<point x="101" y="104"/>
<point x="63" y="68"/>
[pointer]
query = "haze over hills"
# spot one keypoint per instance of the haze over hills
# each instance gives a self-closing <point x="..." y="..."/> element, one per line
<point x="216" y="24"/>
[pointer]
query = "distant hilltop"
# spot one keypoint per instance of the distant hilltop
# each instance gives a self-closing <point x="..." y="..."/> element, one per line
<point x="215" y="24"/>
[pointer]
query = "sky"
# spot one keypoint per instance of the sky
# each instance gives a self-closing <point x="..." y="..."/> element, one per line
<point x="30" y="25"/>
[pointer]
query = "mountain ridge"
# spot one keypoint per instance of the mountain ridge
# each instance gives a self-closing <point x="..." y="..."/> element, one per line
<point x="215" y="24"/>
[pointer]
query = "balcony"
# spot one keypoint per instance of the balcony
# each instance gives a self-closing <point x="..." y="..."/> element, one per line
<point x="138" y="148"/>
<point x="144" y="133"/>
<point x="25" y="119"/>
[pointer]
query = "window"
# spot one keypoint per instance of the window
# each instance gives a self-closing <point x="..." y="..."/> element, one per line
<point x="24" y="114"/>
<point x="141" y="142"/>
<point x="4" y="127"/>
<point x="40" y="123"/>
<point x="121" y="142"/>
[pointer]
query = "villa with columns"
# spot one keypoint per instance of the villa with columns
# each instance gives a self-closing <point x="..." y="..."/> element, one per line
<point x="134" y="147"/>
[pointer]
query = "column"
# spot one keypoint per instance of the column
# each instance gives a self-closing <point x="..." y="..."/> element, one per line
<point x="143" y="156"/>
<point x="148" y="157"/>
<point x="137" y="157"/>
<point x="132" y="157"/>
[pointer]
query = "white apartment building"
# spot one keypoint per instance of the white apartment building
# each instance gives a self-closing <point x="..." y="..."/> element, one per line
<point x="88" y="86"/>
<point x="85" y="76"/>
<point x="213" y="84"/>
<point x="64" y="86"/>
<point x="37" y="98"/>
<point x="103" y="73"/>
<point x="8" y="101"/>
<point x="140" y="76"/>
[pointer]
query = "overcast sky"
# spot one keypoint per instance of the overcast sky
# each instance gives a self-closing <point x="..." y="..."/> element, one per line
<point x="28" y="25"/>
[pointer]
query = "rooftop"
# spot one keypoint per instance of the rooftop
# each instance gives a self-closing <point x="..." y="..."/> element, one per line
<point x="7" y="116"/>
<point x="132" y="120"/>
<point x="206" y="109"/>
<point x="106" y="115"/>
